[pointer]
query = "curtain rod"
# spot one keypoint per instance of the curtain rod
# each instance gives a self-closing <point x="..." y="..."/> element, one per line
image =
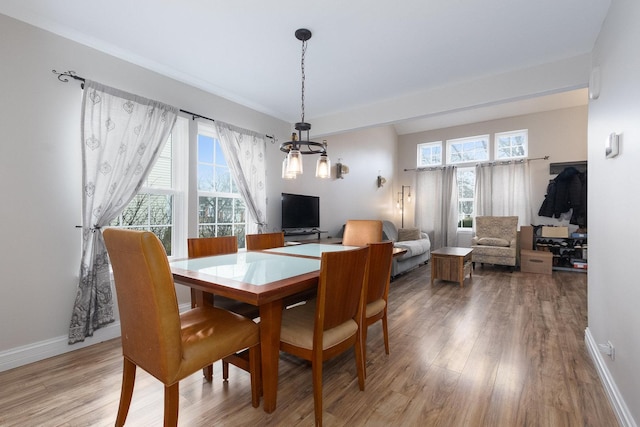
<point x="480" y="164"/>
<point x="64" y="77"/>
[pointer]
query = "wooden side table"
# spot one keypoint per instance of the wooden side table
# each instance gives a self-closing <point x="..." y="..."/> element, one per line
<point x="451" y="264"/>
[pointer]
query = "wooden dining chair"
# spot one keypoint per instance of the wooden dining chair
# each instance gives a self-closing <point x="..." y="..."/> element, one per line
<point x="209" y="246"/>
<point x="330" y="324"/>
<point x="377" y="292"/>
<point x="256" y="242"/>
<point x="360" y="232"/>
<point x="155" y="336"/>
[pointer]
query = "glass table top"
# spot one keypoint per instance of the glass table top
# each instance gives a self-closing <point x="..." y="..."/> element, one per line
<point x="255" y="268"/>
<point x="311" y="249"/>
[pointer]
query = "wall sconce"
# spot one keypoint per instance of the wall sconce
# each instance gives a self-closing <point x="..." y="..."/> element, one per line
<point x="381" y="180"/>
<point x="341" y="169"/>
<point x="401" y="199"/>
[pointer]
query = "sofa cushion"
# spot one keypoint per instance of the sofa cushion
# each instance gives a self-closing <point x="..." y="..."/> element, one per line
<point x="493" y="241"/>
<point x="414" y="247"/>
<point x="405" y="234"/>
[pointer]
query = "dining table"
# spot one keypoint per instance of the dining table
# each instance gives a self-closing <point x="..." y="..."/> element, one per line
<point x="262" y="278"/>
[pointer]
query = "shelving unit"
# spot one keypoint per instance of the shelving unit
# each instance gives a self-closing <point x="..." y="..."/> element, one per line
<point x="569" y="253"/>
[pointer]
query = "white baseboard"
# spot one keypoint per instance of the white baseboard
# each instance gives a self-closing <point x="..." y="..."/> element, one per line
<point x="41" y="350"/>
<point x="20" y="356"/>
<point x="617" y="402"/>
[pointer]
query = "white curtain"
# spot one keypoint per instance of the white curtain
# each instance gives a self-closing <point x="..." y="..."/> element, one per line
<point x="245" y="152"/>
<point x="504" y="189"/>
<point x="437" y="205"/>
<point x="122" y="136"/>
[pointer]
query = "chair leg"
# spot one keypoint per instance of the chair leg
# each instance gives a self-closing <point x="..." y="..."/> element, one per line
<point x="360" y="361"/>
<point x="385" y="332"/>
<point x="225" y="370"/>
<point x="255" y="371"/>
<point x="364" y="348"/>
<point x="171" y="400"/>
<point x="207" y="371"/>
<point x="128" y="381"/>
<point x="316" y="372"/>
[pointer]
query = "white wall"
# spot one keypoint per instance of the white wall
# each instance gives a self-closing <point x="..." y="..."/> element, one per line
<point x="560" y="134"/>
<point x="614" y="292"/>
<point x="40" y="167"/>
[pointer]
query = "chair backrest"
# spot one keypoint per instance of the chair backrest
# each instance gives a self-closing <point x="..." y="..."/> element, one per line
<point x="379" y="271"/>
<point x="256" y="242"/>
<point x="504" y="227"/>
<point x="149" y="317"/>
<point x="360" y="232"/>
<point x="208" y="246"/>
<point x="340" y="285"/>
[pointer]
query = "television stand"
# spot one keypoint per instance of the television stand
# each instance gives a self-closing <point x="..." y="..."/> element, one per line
<point x="288" y="233"/>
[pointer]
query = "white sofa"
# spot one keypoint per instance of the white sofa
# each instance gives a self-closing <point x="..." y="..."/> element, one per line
<point x="418" y="250"/>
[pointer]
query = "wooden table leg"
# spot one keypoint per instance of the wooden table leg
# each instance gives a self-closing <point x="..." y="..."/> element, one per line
<point x="201" y="299"/>
<point x="270" y="322"/>
<point x="433" y="271"/>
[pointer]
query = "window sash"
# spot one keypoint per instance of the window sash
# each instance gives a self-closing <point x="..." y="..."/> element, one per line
<point x="429" y="154"/>
<point x="465" y="150"/>
<point x="511" y="145"/>
<point x="221" y="208"/>
<point x="466" y="190"/>
<point x="158" y="207"/>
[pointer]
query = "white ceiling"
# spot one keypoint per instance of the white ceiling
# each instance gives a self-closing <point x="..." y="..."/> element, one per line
<point x="361" y="52"/>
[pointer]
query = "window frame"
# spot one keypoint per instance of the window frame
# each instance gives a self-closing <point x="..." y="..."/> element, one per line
<point x="461" y="170"/>
<point x="471" y="139"/>
<point x="430" y="146"/>
<point x="514" y="133"/>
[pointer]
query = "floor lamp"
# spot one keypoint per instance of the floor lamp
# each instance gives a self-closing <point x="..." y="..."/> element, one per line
<point x="401" y="196"/>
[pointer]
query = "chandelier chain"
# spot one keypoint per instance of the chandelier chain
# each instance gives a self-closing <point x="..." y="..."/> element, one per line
<point x="304" y="50"/>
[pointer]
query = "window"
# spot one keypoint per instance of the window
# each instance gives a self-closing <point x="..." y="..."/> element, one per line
<point x="466" y="190"/>
<point x="511" y="145"/>
<point x="158" y="205"/>
<point x="430" y="154"/>
<point x="463" y="150"/>
<point x="221" y="208"/>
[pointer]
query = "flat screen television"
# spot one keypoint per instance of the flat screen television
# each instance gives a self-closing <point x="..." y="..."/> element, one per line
<point x="300" y="211"/>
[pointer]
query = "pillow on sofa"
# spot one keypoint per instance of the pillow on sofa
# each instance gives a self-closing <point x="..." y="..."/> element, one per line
<point x="493" y="241"/>
<point x="405" y="234"/>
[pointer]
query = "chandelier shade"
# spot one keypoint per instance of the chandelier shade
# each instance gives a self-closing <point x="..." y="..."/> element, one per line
<point x="300" y="143"/>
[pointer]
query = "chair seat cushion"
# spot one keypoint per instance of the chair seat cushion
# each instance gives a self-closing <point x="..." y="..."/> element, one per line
<point x="297" y="327"/>
<point x="233" y="333"/>
<point x="493" y="241"/>
<point x="375" y="307"/>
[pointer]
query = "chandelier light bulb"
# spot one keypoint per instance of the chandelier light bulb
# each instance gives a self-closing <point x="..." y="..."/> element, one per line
<point x="294" y="162"/>
<point x="323" y="167"/>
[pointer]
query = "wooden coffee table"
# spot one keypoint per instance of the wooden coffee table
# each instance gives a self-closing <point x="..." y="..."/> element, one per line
<point x="451" y="264"/>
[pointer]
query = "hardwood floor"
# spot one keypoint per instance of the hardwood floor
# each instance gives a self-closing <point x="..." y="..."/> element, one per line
<point x="506" y="350"/>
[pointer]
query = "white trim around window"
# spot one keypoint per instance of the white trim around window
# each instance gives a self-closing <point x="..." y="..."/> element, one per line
<point x="511" y="145"/>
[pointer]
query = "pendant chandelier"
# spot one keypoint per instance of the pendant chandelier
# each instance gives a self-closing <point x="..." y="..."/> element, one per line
<point x="300" y="143"/>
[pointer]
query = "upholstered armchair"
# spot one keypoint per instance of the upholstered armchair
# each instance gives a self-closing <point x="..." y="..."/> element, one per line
<point x="495" y="240"/>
